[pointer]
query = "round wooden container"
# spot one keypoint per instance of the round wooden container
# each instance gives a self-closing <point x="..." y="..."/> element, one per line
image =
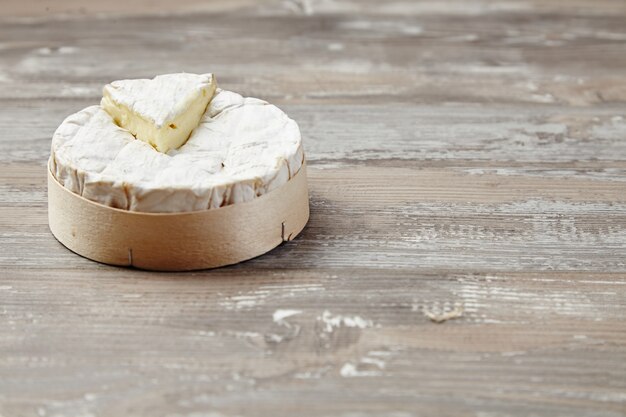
<point x="178" y="241"/>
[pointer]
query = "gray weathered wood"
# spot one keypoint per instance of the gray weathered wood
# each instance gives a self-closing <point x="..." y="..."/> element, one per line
<point x="463" y="156"/>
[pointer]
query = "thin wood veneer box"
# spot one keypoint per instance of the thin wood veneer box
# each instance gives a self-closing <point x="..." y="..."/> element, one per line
<point x="178" y="241"/>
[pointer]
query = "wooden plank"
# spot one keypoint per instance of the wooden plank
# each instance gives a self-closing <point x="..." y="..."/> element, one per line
<point x="463" y="157"/>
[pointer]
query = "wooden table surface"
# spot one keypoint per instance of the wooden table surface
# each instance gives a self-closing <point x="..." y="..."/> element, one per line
<point x="464" y="157"/>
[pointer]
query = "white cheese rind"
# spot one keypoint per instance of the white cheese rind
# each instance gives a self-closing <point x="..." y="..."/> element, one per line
<point x="162" y="111"/>
<point x="242" y="148"/>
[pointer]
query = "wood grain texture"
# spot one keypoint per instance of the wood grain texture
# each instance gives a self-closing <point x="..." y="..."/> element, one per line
<point x="462" y="155"/>
<point x="178" y="241"/>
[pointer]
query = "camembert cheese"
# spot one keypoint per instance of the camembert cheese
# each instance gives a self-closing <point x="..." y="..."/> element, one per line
<point x="241" y="149"/>
<point x="162" y="111"/>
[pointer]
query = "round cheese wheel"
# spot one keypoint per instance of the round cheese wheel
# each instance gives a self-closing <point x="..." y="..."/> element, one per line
<point x="242" y="149"/>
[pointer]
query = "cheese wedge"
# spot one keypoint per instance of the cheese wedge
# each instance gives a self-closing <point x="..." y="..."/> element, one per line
<point x="162" y="111"/>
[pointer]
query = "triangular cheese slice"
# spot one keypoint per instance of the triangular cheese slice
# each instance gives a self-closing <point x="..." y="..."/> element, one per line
<point x="162" y="111"/>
